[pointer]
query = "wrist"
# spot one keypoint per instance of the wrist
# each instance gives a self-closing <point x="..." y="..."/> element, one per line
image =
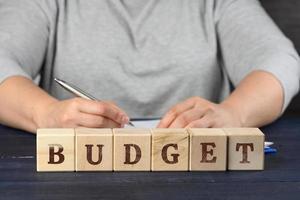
<point x="236" y="113"/>
<point x="40" y="110"/>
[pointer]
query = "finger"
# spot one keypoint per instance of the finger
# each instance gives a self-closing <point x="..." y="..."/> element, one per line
<point x="175" y="111"/>
<point x="96" y="121"/>
<point x="103" y="109"/>
<point x="127" y="118"/>
<point x="71" y="125"/>
<point x="204" y="122"/>
<point x="115" y="106"/>
<point x="187" y="117"/>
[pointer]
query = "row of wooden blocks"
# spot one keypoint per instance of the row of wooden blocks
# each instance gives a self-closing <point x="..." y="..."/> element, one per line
<point x="150" y="149"/>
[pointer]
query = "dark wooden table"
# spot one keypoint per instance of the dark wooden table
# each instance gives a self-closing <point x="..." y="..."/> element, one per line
<point x="279" y="180"/>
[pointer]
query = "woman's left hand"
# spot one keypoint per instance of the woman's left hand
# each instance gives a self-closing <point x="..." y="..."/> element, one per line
<point x="197" y="112"/>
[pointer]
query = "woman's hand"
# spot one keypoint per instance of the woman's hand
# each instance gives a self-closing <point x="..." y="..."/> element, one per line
<point x="196" y="112"/>
<point x="79" y="112"/>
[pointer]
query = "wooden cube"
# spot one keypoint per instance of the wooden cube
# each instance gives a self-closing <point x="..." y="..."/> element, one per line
<point x="55" y="149"/>
<point x="132" y="149"/>
<point x="245" y="148"/>
<point x="170" y="150"/>
<point x="94" y="149"/>
<point x="208" y="149"/>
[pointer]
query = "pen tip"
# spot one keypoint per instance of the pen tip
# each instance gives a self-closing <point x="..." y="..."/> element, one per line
<point x="131" y="124"/>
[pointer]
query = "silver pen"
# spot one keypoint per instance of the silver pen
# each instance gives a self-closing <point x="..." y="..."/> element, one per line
<point x="79" y="92"/>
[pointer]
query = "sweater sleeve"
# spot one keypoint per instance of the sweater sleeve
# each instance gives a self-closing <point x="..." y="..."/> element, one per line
<point x="250" y="40"/>
<point x="23" y="38"/>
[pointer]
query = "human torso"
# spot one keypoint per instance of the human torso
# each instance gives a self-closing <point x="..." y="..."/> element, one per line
<point x="145" y="61"/>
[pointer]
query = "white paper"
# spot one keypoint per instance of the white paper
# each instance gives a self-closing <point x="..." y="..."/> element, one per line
<point x="154" y="123"/>
<point x="144" y="124"/>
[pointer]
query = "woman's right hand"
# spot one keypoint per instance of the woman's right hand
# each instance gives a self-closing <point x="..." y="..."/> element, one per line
<point x="79" y="112"/>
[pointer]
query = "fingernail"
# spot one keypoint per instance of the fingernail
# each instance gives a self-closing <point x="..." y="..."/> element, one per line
<point x="122" y="116"/>
<point x="125" y="119"/>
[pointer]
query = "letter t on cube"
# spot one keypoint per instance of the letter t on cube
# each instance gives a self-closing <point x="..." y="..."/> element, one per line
<point x="245" y="148"/>
<point x="55" y="149"/>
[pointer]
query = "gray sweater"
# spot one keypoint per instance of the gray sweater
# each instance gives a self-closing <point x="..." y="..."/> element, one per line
<point x="146" y="55"/>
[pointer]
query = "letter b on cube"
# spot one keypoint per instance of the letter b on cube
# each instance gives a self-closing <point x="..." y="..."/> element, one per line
<point x="55" y="149"/>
